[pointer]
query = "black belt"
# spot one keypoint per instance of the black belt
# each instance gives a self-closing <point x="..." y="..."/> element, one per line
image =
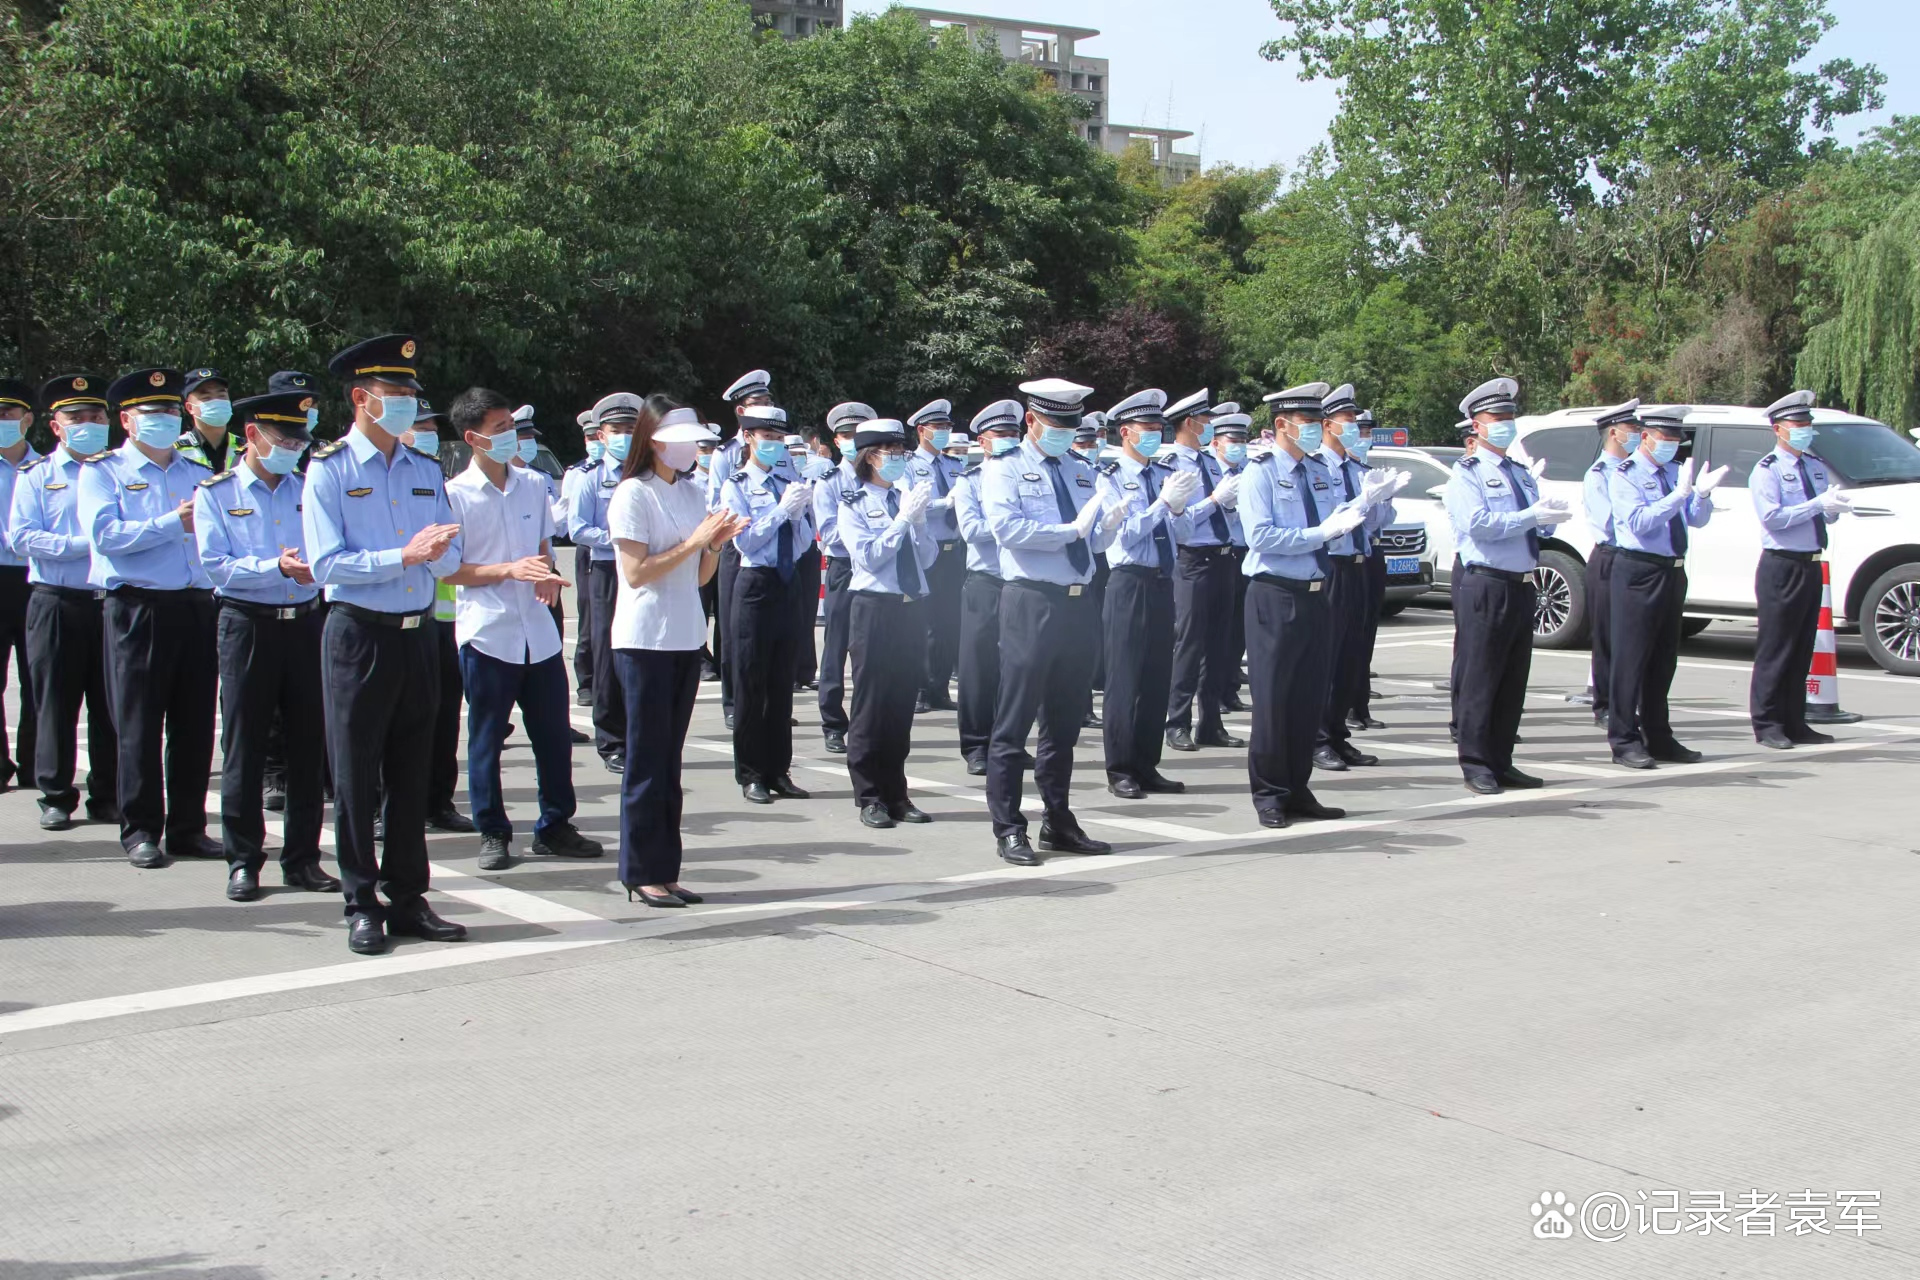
<point x="1143" y="571"/>
<point x="1807" y="557"/>
<point x="270" y="612"/>
<point x="1054" y="589"/>
<point x="1356" y="558"/>
<point x="70" y="593"/>
<point x="1505" y="575"/>
<point x="1299" y="586"/>
<point x="1207" y="552"/>
<point x="948" y="546"/>
<point x="1608" y="547"/>
<point x="182" y="595"/>
<point x="397" y="621"/>
<point x="1647" y="557"/>
<point x="898" y="597"/>
<point x="847" y="560"/>
<point x="994" y="578"/>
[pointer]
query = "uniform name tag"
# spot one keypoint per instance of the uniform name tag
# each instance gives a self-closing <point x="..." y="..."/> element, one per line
<point x="1493" y="482"/>
<point x="359" y="493"/>
<point x="136" y="486"/>
<point x="1030" y="476"/>
<point x="1083" y="482"/>
<point x="876" y="515"/>
<point x="239" y="511"/>
<point x="423" y="493"/>
<point x="1129" y="485"/>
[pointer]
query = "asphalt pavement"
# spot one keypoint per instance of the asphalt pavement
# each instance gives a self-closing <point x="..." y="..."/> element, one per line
<point x="1633" y="1024"/>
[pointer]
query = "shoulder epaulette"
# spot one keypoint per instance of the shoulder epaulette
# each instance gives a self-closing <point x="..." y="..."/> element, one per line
<point x="974" y="469"/>
<point x="211" y="481"/>
<point x="1624" y="464"/>
<point x="430" y="457"/>
<point x="738" y="475"/>
<point x="1107" y="468"/>
<point x="1768" y="460"/>
<point x="850" y="497"/>
<point x="1599" y="464"/>
<point x="101" y="456"/>
<point x="36" y="462"/>
<point x="328" y="450"/>
<point x="1471" y="460"/>
<point x="1164" y="460"/>
<point x="1264" y="459"/>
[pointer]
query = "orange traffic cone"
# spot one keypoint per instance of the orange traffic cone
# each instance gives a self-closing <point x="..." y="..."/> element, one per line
<point x="1823" y="681"/>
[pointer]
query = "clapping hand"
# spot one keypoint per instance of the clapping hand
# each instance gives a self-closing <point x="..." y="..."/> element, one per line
<point x="718" y="528"/>
<point x="1834" y="503"/>
<point x="1685" y="483"/>
<point x="1710" y="481"/>
<point x="1537" y="468"/>
<point x="1226" y="494"/>
<point x="1115" y="517"/>
<point x="429" y="544"/>
<point x="1551" y="511"/>
<point x="1344" y="520"/>
<point x="1083" y="525"/>
<point x="913" y="507"/>
<point x="1179" y="490"/>
<point x="797" y="498"/>
<point x="294" y="567"/>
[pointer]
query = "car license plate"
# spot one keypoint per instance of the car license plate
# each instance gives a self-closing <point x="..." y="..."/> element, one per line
<point x="1407" y="565"/>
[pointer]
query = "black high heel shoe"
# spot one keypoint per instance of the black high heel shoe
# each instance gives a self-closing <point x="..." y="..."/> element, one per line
<point x="652" y="900"/>
<point x="687" y="896"/>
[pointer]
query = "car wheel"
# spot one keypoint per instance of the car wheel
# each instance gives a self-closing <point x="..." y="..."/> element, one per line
<point x="1691" y="627"/>
<point x="1392" y="607"/>
<point x="1890" y="620"/>
<point x="1560" y="606"/>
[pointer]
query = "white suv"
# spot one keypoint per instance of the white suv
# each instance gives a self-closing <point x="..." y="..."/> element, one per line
<point x="1874" y="554"/>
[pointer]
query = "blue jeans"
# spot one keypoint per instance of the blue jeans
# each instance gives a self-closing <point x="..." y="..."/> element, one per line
<point x="493" y="689"/>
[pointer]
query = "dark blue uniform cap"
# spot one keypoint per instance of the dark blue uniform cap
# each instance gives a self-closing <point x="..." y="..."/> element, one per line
<point x="390" y="358"/>
<point x="146" y="386"/>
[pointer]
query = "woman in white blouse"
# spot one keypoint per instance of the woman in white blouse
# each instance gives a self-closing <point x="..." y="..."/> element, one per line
<point x="666" y="544"/>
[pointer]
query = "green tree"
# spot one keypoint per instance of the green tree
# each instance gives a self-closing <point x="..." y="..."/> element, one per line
<point x="1869" y="352"/>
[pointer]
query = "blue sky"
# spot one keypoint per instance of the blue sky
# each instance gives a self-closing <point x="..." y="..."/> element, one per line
<point x="1204" y="71"/>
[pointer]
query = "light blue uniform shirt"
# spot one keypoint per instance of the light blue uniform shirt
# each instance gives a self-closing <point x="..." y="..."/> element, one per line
<point x="9" y="478"/>
<point x="1348" y="477"/>
<point x="827" y="492"/>
<point x="873" y="539"/>
<point x="128" y="504"/>
<point x="242" y="525"/>
<point x="1486" y="504"/>
<point x="1596" y="501"/>
<point x="1281" y="533"/>
<point x="1785" y="508"/>
<point x="44" y="522"/>
<point x="938" y="472"/>
<point x="726" y="461"/>
<point x="983" y="553"/>
<point x="755" y="492"/>
<point x="587" y="513"/>
<point x="1641" y="513"/>
<point x="1018" y="499"/>
<point x="360" y="513"/>
<point x="1200" y="531"/>
<point x="1234" y="525"/>
<point x="1137" y="485"/>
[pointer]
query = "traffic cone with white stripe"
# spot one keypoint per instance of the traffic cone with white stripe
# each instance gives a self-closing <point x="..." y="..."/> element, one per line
<point x="1823" y="681"/>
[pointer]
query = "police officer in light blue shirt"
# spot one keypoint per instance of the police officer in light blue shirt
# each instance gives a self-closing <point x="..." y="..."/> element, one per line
<point x="66" y="652"/>
<point x="1654" y="503"/>
<point x="136" y="503"/>
<point x="1203" y="583"/>
<point x="998" y="428"/>
<point x="929" y="465"/>
<point x="247" y="522"/>
<point x="1231" y="429"/>
<point x="748" y="391"/>
<point x="379" y="534"/>
<point x="1794" y="497"/>
<point x="614" y="417"/>
<point x="16" y="414"/>
<point x="1041" y="505"/>
<point x="1619" y="429"/>
<point x="570" y="482"/>
<point x="843" y="420"/>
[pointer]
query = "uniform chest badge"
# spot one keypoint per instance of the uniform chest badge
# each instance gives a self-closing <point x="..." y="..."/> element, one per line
<point x="136" y="486"/>
<point x="1031" y="475"/>
<point x="1790" y="478"/>
<point x="1284" y="484"/>
<point x="1083" y="482"/>
<point x="359" y="493"/>
<point x="876" y="515"/>
<point x="423" y="493"/>
<point x="239" y="511"/>
<point x="61" y="485"/>
<point x="1493" y="482"/>
<point x="1129" y="485"/>
<point x="1319" y="486"/>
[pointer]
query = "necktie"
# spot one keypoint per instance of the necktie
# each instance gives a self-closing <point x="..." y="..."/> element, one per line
<point x="1677" y="526"/>
<point x="1217" y="522"/>
<point x="1162" y="544"/>
<point x="1360" y="534"/>
<point x="1520" y="503"/>
<point x="1078" y="555"/>
<point x="940" y="485"/>
<point x="1305" y="482"/>
<point x="906" y="562"/>
<point x="1806" y="487"/>
<point x="783" y="565"/>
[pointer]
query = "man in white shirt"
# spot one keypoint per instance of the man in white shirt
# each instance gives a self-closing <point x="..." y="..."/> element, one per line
<point x="510" y="649"/>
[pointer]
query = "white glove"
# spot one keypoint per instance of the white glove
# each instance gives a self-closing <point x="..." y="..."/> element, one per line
<point x="1090" y="513"/>
<point x="1835" y="503"/>
<point x="1374" y="486"/>
<point x="1550" y="511"/>
<point x="1179" y="490"/>
<point x="1710" y="481"/>
<point x="1343" y="521"/>
<point x="1227" y="493"/>
<point x="1537" y="468"/>
<point x="797" y="498"/>
<point x="1685" y="483"/>
<point x="1115" y="517"/>
<point x="1401" y="479"/>
<point x="942" y="505"/>
<point x="913" y="506"/>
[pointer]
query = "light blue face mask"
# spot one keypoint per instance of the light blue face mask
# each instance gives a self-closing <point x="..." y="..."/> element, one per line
<point x="9" y="432"/>
<point x="1359" y="448"/>
<point x="527" y="450"/>
<point x="281" y="460"/>
<point x="998" y="445"/>
<point x="397" y="413"/>
<point x="156" y="430"/>
<point x="704" y="462"/>
<point x="1800" y="439"/>
<point x="892" y="467"/>
<point x="426" y="441"/>
<point x="1055" y="441"/>
<point x="1633" y="441"/>
<point x="501" y="448"/>
<point x="313" y="419"/>
<point x="770" y="453"/>
<point x="618" y="443"/>
<point x="215" y="413"/>
<point x="940" y="438"/>
<point x="1149" y="443"/>
<point x="1236" y="454"/>
<point x="1312" y="436"/>
<point x="1206" y="434"/>
<point x="1501" y="434"/>
<point x="1664" y="451"/>
<point x="594" y="449"/>
<point x="84" y="438"/>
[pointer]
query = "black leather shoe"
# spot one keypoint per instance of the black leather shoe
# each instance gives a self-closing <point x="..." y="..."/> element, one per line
<point x="910" y="812"/>
<point x="1806" y="737"/>
<point x="783" y="787"/>
<point x="1327" y="758"/>
<point x="274" y="799"/>
<point x="576" y="737"/>
<point x="1304" y="805"/>
<point x="837" y="741"/>
<point x="379" y="827"/>
<point x="564" y="841"/>
<point x="687" y="896"/>
<point x="243" y="884"/>
<point x="1600" y="717"/>
<point x="450" y="819"/>
<point x="1127" y="789"/>
<point x="584" y="698"/>
<point x="1155" y="783"/>
<point x="615" y="764"/>
<point x="939" y="700"/>
<point x="1027" y="762"/>
<point x="1181" y="740"/>
<point x="1483" y="784"/>
<point x="1633" y="758"/>
<point x="418" y="921"/>
<point x="1092" y="721"/>
<point x="365" y="937"/>
<point x="1222" y="739"/>
<point x="668" y="899"/>
<point x="976" y="768"/>
<point x="1453" y="733"/>
<point x="1232" y="702"/>
<point x="54" y="818"/>
<point x="1354" y="756"/>
<point x="1674" y="753"/>
<point x="1584" y="698"/>
<point x="1770" y="738"/>
<point x="757" y="793"/>
<point x="199" y="845"/>
<point x="921" y="706"/>
<point x="1358" y="723"/>
<point x="875" y="815"/>
<point x="1015" y="849"/>
<point x="729" y="719"/>
<point x="310" y="877"/>
<point x="1275" y="818"/>
<point x="1071" y="840"/>
<point x="495" y="853"/>
<point x="1520" y="781"/>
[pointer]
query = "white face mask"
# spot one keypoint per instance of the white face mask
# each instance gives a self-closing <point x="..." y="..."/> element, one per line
<point x="678" y="455"/>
